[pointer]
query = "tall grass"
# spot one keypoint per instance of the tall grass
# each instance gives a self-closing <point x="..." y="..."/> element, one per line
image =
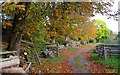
<point x="112" y="62"/>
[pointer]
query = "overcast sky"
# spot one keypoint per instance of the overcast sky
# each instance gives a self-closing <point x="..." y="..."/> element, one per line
<point x="111" y="23"/>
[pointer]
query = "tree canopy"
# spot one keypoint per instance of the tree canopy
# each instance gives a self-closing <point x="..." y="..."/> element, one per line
<point x="43" y="21"/>
<point x="103" y="32"/>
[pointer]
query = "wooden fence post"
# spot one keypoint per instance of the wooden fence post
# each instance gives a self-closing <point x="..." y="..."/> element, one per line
<point x="36" y="54"/>
<point x="105" y="53"/>
<point x="35" y="51"/>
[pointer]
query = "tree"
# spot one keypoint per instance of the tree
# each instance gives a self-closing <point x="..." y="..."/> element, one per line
<point x="90" y="31"/>
<point x="63" y="18"/>
<point x="25" y="20"/>
<point x="103" y="32"/>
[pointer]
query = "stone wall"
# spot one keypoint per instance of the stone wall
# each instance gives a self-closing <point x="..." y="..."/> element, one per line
<point x="74" y="44"/>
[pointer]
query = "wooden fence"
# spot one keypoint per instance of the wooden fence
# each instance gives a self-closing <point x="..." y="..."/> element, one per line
<point x="103" y="50"/>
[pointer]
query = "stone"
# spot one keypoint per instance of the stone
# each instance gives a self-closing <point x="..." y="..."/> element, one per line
<point x="62" y="47"/>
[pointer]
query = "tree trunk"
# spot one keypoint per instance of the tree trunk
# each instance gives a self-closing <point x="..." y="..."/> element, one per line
<point x="88" y="41"/>
<point x="14" y="41"/>
<point x="15" y="35"/>
<point x="66" y="40"/>
<point x="17" y="29"/>
<point x="52" y="39"/>
<point x="67" y="37"/>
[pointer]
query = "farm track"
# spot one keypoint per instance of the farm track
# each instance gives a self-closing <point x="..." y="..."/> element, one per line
<point x="88" y="65"/>
<point x="69" y="65"/>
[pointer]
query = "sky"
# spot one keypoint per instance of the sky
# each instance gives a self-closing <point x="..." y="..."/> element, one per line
<point x="111" y="23"/>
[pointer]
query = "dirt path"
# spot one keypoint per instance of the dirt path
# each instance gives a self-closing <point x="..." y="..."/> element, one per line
<point x="76" y="61"/>
<point x="83" y="59"/>
<point x="87" y="65"/>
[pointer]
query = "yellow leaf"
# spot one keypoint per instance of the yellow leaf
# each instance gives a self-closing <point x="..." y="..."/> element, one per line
<point x="23" y="8"/>
<point x="4" y="26"/>
<point x="28" y="33"/>
<point x="20" y="18"/>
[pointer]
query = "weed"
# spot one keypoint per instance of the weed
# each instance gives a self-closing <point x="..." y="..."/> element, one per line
<point x="78" y="62"/>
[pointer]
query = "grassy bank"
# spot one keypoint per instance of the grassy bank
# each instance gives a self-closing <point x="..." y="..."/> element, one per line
<point x="111" y="63"/>
<point x="57" y="59"/>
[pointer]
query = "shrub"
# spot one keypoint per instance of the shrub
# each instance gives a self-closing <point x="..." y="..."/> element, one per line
<point x="108" y="41"/>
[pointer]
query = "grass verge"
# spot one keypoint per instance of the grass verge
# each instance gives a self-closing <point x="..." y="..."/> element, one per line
<point x="78" y="62"/>
<point x="57" y="59"/>
<point x="71" y="48"/>
<point x="111" y="63"/>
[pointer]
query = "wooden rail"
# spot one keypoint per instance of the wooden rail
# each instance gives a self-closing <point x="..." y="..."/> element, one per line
<point x="7" y="62"/>
<point x="105" y="50"/>
<point x="7" y="52"/>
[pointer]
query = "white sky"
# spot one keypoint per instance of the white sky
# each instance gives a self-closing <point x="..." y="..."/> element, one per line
<point x="111" y="23"/>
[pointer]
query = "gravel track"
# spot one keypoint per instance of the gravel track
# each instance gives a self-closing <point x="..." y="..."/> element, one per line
<point x="88" y="66"/>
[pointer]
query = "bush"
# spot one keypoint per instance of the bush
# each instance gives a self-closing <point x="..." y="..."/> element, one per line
<point x="108" y="41"/>
<point x="40" y="45"/>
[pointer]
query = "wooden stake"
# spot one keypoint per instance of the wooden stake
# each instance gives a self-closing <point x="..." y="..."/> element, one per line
<point x="105" y="53"/>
